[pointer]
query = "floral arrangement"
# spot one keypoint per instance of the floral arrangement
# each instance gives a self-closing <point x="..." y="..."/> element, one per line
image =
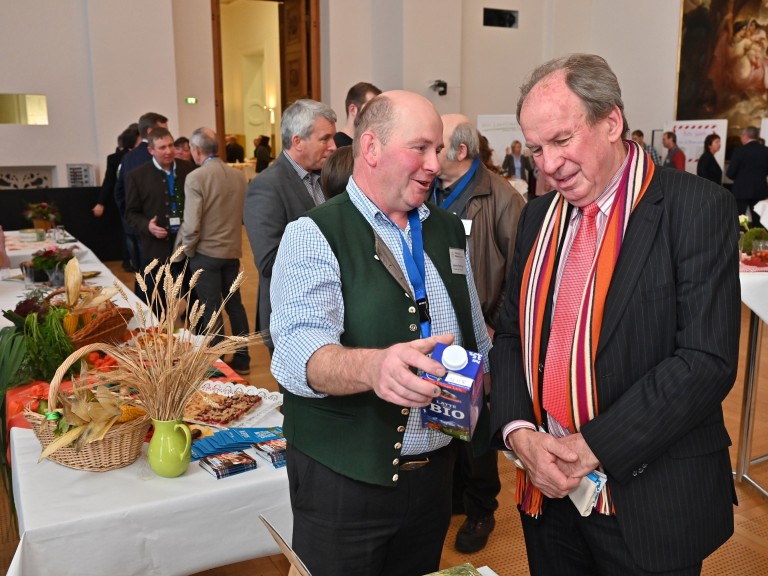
<point x="743" y="222"/>
<point x="50" y="258"/>
<point x="42" y="211"/>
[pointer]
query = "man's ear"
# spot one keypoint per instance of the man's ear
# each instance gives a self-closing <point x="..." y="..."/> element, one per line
<point x="352" y="112"/>
<point x="297" y="143"/>
<point x="615" y="124"/>
<point x="370" y="147"/>
<point x="461" y="154"/>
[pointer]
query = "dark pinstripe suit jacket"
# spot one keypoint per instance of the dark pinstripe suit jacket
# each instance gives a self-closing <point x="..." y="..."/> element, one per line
<point x="666" y="359"/>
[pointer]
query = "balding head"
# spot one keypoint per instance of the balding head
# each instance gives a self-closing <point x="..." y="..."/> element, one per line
<point x="461" y="147"/>
<point x="397" y="137"/>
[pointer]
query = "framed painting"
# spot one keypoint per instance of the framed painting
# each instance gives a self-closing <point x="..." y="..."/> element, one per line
<point x="724" y="63"/>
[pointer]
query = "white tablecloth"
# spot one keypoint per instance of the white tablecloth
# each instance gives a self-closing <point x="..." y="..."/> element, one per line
<point x="132" y="522"/>
<point x="11" y="291"/>
<point x="19" y="251"/>
<point x="761" y="209"/>
<point x="754" y="292"/>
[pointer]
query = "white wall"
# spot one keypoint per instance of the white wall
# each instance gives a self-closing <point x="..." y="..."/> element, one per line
<point x="193" y="46"/>
<point x="484" y="67"/>
<point x="102" y="63"/>
<point x="93" y="60"/>
<point x="346" y="50"/>
<point x="432" y="33"/>
<point x="644" y="55"/>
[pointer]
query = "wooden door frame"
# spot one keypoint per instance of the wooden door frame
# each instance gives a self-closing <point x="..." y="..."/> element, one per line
<point x="313" y="61"/>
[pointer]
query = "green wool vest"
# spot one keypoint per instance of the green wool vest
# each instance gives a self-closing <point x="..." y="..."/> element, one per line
<point x="360" y="435"/>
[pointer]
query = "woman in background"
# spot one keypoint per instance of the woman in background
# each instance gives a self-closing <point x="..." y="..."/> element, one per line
<point x="708" y="167"/>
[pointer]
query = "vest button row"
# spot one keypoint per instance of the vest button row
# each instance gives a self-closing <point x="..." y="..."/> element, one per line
<point x="639" y="470"/>
<point x="401" y="428"/>
<point x="395" y="478"/>
<point x="398" y="445"/>
<point x="413" y="327"/>
<point x="412" y="309"/>
<point x="396" y="461"/>
<point x="405" y="411"/>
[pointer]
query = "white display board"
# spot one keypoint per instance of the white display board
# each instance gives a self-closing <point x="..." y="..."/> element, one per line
<point x="690" y="139"/>
<point x="764" y="128"/>
<point x="501" y="130"/>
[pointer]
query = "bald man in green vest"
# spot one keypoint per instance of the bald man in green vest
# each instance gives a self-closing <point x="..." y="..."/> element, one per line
<point x="363" y="288"/>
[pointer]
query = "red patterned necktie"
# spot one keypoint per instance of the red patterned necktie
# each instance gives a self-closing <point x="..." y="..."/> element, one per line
<point x="569" y="295"/>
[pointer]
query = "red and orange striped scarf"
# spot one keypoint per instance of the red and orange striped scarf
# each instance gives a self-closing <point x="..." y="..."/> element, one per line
<point x="538" y="277"/>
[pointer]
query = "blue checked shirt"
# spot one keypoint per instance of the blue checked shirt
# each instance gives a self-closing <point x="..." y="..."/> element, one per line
<point x="308" y="307"/>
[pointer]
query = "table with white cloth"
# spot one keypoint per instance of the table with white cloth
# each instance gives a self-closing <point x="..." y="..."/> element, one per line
<point x="12" y="289"/>
<point x="248" y="168"/>
<point x="754" y="294"/>
<point x="131" y="521"/>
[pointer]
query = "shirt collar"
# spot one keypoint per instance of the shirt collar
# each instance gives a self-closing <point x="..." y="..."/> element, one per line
<point x="299" y="170"/>
<point x="369" y="209"/>
<point x="171" y="171"/>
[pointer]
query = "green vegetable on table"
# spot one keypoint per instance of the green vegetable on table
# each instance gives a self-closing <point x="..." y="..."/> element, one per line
<point x="750" y="236"/>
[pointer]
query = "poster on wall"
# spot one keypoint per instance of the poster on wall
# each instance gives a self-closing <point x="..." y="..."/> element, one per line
<point x="501" y="130"/>
<point x="690" y="139"/>
<point x="724" y="63"/>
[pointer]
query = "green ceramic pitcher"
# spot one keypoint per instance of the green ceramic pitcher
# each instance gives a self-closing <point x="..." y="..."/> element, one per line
<point x="169" y="448"/>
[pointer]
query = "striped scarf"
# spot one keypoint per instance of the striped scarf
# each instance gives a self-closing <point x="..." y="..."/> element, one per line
<point x="538" y="277"/>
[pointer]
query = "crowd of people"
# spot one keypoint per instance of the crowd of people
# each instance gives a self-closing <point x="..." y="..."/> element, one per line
<point x="605" y="306"/>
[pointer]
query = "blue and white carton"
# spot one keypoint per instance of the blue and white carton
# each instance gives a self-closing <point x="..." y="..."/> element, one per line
<point x="456" y="410"/>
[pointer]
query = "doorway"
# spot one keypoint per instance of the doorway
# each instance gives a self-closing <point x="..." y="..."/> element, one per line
<point x="267" y="54"/>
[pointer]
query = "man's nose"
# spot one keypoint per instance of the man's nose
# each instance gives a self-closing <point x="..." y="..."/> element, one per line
<point x="550" y="160"/>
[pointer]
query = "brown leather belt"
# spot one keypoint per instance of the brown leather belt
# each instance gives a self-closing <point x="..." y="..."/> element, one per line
<point x="416" y="461"/>
<point x="413" y="464"/>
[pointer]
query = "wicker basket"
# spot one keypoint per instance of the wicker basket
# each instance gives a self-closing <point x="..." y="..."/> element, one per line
<point x="108" y="325"/>
<point x="120" y="447"/>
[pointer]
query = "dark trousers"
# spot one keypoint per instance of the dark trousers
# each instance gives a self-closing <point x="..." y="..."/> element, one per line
<point x="563" y="542"/>
<point x="475" y="481"/>
<point x="214" y="283"/>
<point x="158" y="303"/>
<point x="742" y="206"/>
<point x="343" y="526"/>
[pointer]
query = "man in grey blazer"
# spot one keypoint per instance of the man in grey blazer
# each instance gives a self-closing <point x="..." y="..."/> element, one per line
<point x="287" y="189"/>
<point x="652" y="353"/>
<point x="212" y="236"/>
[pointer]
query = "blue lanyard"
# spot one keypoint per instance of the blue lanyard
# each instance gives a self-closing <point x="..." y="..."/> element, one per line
<point x="171" y="190"/>
<point x="460" y="185"/>
<point x="414" y="266"/>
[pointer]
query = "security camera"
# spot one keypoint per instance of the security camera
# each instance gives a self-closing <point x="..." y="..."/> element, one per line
<point x="439" y="86"/>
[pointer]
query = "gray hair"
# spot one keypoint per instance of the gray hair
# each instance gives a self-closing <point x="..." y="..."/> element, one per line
<point x="752" y="133"/>
<point x="465" y="134"/>
<point x="205" y="139"/>
<point x="590" y="78"/>
<point x="299" y="119"/>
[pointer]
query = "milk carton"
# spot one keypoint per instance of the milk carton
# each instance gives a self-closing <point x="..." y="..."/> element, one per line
<point x="456" y="410"/>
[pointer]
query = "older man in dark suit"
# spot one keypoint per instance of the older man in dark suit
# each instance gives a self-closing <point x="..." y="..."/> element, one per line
<point x="287" y="189"/>
<point x="617" y="344"/>
<point x="748" y="170"/>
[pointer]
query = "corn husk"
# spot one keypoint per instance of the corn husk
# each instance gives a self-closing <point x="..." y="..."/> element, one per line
<point x="73" y="280"/>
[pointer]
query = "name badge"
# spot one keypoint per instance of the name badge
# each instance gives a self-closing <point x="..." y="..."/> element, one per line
<point x="458" y="262"/>
<point x="467" y="227"/>
<point x="174" y="221"/>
